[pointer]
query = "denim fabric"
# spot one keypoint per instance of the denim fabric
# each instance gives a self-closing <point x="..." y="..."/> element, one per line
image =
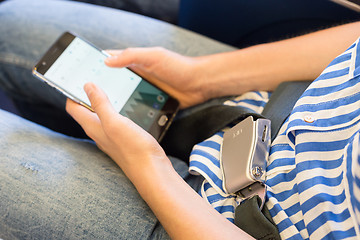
<point x="164" y="10"/>
<point x="53" y="186"/>
<point x="56" y="187"/>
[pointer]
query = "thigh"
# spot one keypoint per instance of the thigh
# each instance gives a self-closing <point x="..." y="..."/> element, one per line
<point x="165" y="10"/>
<point x="29" y="27"/>
<point x="56" y="187"/>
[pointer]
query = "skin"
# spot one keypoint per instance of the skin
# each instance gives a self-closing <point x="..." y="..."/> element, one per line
<point x="193" y="80"/>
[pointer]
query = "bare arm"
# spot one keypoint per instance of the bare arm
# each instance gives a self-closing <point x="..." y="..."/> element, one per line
<point x="182" y="212"/>
<point x="261" y="67"/>
<point x="264" y="66"/>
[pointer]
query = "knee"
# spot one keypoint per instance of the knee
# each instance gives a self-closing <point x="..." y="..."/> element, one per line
<point x="24" y="31"/>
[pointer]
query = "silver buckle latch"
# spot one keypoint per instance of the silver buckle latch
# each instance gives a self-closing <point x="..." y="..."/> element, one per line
<point x="244" y="154"/>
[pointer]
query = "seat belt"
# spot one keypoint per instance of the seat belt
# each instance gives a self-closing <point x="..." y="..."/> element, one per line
<point x="192" y="129"/>
<point x="281" y="102"/>
<point x="250" y="216"/>
<point x="185" y="132"/>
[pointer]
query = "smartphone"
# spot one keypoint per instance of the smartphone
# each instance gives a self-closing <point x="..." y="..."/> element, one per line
<point x="71" y="62"/>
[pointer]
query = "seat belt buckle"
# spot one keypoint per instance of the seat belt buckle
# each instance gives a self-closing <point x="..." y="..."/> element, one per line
<point x="243" y="157"/>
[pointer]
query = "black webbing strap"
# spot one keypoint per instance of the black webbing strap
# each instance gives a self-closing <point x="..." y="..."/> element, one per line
<point x="281" y="102"/>
<point x="188" y="131"/>
<point x="248" y="215"/>
<point x="255" y="221"/>
<point x="185" y="132"/>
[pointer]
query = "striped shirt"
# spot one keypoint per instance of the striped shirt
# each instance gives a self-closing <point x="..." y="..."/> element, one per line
<point x="313" y="171"/>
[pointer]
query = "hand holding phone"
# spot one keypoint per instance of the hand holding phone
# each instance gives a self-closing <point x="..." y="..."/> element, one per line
<point x="130" y="146"/>
<point x="71" y="62"/>
<point x="185" y="78"/>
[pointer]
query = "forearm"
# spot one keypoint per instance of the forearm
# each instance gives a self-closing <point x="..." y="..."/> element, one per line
<point x="182" y="212"/>
<point x="264" y="66"/>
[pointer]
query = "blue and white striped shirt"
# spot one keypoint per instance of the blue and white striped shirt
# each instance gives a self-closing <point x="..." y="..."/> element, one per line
<point x="313" y="172"/>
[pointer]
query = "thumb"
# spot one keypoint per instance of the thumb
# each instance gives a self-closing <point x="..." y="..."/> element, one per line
<point x="99" y="101"/>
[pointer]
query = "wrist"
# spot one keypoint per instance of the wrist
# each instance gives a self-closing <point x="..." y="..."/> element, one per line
<point x="229" y="73"/>
<point x="141" y="168"/>
<point x="153" y="176"/>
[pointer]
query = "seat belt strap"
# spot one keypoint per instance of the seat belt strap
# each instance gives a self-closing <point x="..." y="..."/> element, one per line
<point x="252" y="216"/>
<point x="281" y="102"/>
<point x="185" y="132"/>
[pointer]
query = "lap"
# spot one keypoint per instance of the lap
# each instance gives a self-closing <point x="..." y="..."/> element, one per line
<point x="160" y="9"/>
<point x="54" y="186"/>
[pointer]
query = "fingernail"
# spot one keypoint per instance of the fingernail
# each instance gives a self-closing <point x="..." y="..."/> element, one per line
<point x="111" y="58"/>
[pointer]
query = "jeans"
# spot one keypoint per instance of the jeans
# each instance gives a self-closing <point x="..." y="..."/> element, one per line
<point x="53" y="186"/>
<point x="166" y="10"/>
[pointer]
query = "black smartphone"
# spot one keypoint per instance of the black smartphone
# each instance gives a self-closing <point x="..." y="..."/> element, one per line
<point x="71" y="62"/>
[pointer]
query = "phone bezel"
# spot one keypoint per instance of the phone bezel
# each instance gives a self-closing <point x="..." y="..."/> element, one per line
<point x="169" y="110"/>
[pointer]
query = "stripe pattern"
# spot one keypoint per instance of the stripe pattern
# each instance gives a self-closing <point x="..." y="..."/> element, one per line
<point x="313" y="173"/>
<point x="205" y="159"/>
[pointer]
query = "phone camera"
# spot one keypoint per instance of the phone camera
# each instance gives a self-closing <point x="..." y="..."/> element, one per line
<point x="160" y="98"/>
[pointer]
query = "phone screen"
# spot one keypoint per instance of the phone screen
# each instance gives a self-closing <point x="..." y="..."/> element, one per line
<point x="132" y="96"/>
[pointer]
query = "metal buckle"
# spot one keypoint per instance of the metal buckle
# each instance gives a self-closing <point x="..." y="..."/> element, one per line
<point x="244" y="154"/>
